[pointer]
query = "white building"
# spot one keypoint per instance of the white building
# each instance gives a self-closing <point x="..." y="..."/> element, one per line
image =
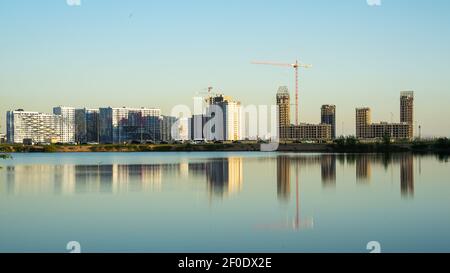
<point x="67" y="123"/>
<point x="118" y="125"/>
<point x="230" y="120"/>
<point x="34" y="126"/>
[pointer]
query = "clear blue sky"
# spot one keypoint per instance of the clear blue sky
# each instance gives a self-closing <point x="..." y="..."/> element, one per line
<point x="160" y="53"/>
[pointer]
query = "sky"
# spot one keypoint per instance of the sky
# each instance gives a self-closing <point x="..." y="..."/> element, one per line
<point x="162" y="53"/>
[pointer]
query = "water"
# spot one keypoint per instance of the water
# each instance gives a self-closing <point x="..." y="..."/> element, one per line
<point x="224" y="202"/>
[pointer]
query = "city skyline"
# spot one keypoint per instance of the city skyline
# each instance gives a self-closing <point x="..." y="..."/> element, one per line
<point x="97" y="53"/>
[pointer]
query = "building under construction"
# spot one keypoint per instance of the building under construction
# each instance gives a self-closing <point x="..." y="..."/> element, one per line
<point x="304" y="131"/>
<point x="365" y="129"/>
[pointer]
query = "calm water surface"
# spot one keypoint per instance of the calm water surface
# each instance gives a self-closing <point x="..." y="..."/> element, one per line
<point x="224" y="202"/>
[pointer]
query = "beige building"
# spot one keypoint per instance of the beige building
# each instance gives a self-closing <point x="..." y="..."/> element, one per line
<point x="365" y="129"/>
<point x="307" y="131"/>
<point x="407" y="110"/>
<point x="231" y="117"/>
<point x="304" y="131"/>
<point x="284" y="109"/>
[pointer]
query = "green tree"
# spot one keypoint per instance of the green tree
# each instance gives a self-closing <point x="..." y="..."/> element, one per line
<point x="386" y="139"/>
<point x="340" y="141"/>
<point x="351" y="141"/>
<point x="442" y="142"/>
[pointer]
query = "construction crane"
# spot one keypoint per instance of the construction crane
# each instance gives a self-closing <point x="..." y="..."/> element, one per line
<point x="296" y="66"/>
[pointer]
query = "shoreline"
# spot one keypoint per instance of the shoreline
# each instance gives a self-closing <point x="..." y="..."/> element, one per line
<point x="232" y="147"/>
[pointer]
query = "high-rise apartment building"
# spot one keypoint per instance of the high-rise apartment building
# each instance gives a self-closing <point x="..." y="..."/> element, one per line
<point x="119" y="125"/>
<point x="67" y="122"/>
<point x="365" y="129"/>
<point x="166" y="127"/>
<point x="87" y="125"/>
<point x="231" y="118"/>
<point x="363" y="120"/>
<point x="328" y="116"/>
<point x="407" y="110"/>
<point x="284" y="107"/>
<point x="284" y="111"/>
<point x="32" y="126"/>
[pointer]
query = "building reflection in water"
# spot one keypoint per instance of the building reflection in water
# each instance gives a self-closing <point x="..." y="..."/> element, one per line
<point x="283" y="178"/>
<point x="69" y="179"/>
<point x="222" y="176"/>
<point x="407" y="175"/>
<point x="364" y="164"/>
<point x="284" y="163"/>
<point x="363" y="168"/>
<point x="328" y="170"/>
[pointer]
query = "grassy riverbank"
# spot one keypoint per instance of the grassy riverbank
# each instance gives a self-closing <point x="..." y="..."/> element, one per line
<point x="437" y="146"/>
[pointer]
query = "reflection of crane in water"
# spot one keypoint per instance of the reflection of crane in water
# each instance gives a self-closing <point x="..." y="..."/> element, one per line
<point x="284" y="175"/>
<point x="299" y="223"/>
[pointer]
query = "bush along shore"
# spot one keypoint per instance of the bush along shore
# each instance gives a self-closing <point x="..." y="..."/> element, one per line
<point x="341" y="145"/>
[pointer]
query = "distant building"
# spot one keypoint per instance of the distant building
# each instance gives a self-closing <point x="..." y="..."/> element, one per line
<point x="284" y="110"/>
<point x="32" y="126"/>
<point x="67" y="123"/>
<point x="407" y="110"/>
<point x="119" y="125"/>
<point x="87" y="125"/>
<point x="2" y="138"/>
<point x="166" y="126"/>
<point x="328" y="116"/>
<point x="365" y="129"/>
<point x="231" y="118"/>
<point x="363" y="121"/>
<point x="196" y="125"/>
<point x="306" y="131"/>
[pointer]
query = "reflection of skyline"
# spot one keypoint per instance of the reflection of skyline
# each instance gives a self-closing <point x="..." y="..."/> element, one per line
<point x="222" y="176"/>
<point x="328" y="170"/>
<point x="327" y="163"/>
<point x="407" y="175"/>
<point x="363" y="169"/>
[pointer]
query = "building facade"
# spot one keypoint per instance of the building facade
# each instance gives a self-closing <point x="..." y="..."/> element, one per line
<point x="166" y="127"/>
<point x="284" y="107"/>
<point x="307" y="131"/>
<point x="87" y="125"/>
<point x="407" y="110"/>
<point x="328" y="116"/>
<point x="228" y="126"/>
<point x="363" y="121"/>
<point x="284" y="111"/>
<point x="120" y="125"/>
<point x="365" y="129"/>
<point x="32" y="126"/>
<point x="67" y="123"/>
